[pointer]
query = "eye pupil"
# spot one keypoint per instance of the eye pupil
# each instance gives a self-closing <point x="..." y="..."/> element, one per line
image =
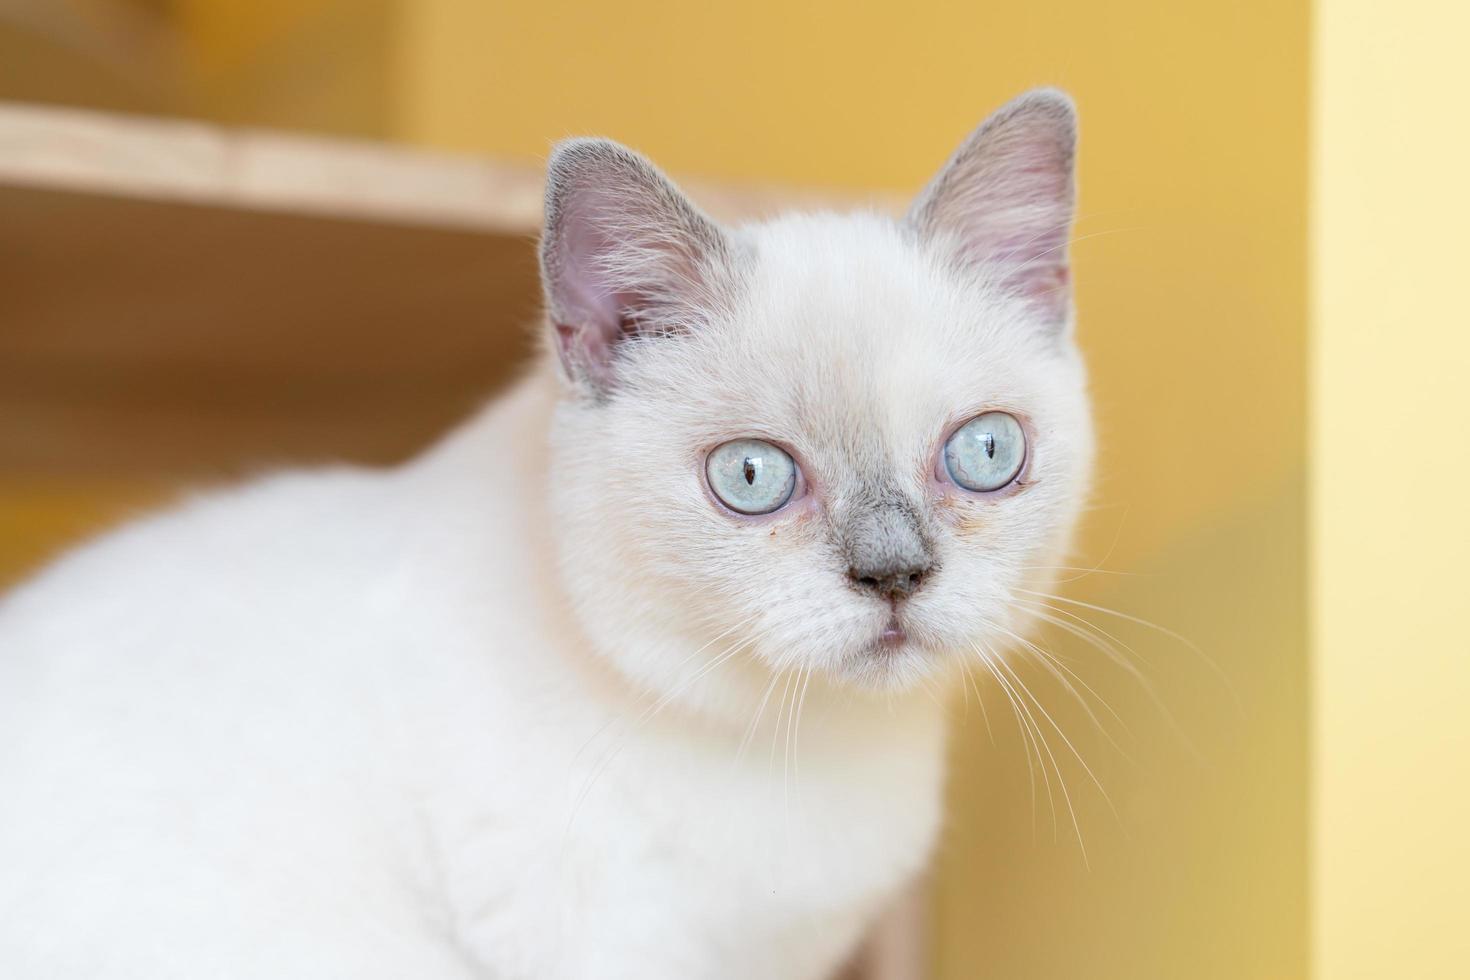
<point x="990" y="445"/>
<point x="749" y="471"/>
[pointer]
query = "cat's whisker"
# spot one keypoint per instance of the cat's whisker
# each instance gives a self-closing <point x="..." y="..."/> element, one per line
<point x="965" y="689"/>
<point x="1114" y="648"/>
<point x="1005" y="270"/>
<point x="1189" y="644"/>
<point x="1065" y="675"/>
<point x="1027" y="741"/>
<point x="1113" y="544"/>
<point x="1062" y="735"/>
<point x="1069" y="243"/>
<point x="755" y="719"/>
<point x="1061" y="676"/>
<point x="1082" y="571"/>
<point x="1121" y="615"/>
<point x="970" y="683"/>
<point x="1048" y="231"/>
<point x="1058" y="668"/>
<point x="776" y="731"/>
<point x="1033" y="742"/>
<point x="1000" y="670"/>
<point x="684" y="686"/>
<point x="796" y="737"/>
<point x="1096" y="637"/>
<point x="644" y="696"/>
<point x="927" y="684"/>
<point x="609" y="756"/>
<point x="1082" y="632"/>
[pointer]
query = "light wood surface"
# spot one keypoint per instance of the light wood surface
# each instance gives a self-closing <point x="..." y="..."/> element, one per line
<point x="105" y="153"/>
<point x="142" y="335"/>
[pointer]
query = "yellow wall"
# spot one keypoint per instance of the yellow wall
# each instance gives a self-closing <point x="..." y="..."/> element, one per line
<point x="321" y="65"/>
<point x="1391" y="358"/>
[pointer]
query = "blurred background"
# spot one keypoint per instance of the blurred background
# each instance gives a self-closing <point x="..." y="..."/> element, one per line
<point x="182" y="304"/>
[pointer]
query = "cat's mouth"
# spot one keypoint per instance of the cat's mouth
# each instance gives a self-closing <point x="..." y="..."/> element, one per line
<point x="894" y="657"/>
<point x="894" y="635"/>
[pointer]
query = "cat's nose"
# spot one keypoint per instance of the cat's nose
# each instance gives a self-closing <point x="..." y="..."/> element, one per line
<point x="888" y="554"/>
<point x="889" y="582"/>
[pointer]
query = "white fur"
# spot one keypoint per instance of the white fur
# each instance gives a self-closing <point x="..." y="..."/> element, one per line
<point x="532" y="706"/>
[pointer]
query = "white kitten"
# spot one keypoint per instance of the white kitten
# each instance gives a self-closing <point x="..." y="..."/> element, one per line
<point x="626" y="678"/>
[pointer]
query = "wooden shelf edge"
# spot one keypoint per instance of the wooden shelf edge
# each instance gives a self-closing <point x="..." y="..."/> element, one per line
<point x="201" y="163"/>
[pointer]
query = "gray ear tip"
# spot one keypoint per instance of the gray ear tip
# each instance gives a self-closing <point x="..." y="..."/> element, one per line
<point x="1047" y="99"/>
<point x="571" y="156"/>
<point x="594" y="160"/>
<point x="1049" y="103"/>
<point x="1051" y="108"/>
<point x="571" y="164"/>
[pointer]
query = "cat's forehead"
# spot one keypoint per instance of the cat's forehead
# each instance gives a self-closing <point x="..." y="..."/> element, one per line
<point x="852" y="278"/>
<point x="845" y="318"/>
<point x="860" y="287"/>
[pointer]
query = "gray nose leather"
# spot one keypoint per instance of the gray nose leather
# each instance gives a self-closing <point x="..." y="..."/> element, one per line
<point x="887" y="552"/>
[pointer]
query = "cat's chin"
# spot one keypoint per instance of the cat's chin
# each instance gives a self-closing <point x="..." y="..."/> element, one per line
<point x="893" y="661"/>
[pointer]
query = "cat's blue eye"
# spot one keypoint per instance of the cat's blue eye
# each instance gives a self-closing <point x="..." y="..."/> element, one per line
<point x="751" y="476"/>
<point x="986" y="453"/>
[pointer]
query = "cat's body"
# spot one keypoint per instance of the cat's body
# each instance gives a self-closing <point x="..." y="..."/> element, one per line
<point x="259" y="787"/>
<point x="536" y="704"/>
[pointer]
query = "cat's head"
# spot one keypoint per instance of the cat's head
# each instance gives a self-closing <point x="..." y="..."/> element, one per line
<point x="845" y="443"/>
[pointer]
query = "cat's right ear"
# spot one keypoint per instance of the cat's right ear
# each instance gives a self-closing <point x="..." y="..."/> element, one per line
<point x="624" y="255"/>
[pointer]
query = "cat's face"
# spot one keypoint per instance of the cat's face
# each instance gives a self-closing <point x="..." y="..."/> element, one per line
<point x="843" y="444"/>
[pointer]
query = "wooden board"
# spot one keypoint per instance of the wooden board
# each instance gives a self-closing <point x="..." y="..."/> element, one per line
<point x="143" y="335"/>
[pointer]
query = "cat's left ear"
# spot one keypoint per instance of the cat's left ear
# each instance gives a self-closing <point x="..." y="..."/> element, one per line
<point x="624" y="254"/>
<point x="1003" y="204"/>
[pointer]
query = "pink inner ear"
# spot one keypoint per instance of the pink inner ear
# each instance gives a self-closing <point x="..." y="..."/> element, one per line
<point x="624" y="252"/>
<point x="1047" y="287"/>
<point x="582" y="351"/>
<point x="591" y="309"/>
<point x="586" y="348"/>
<point x="1034" y="266"/>
<point x="1005" y="200"/>
<point x="617" y="259"/>
<point x="1031" y="262"/>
